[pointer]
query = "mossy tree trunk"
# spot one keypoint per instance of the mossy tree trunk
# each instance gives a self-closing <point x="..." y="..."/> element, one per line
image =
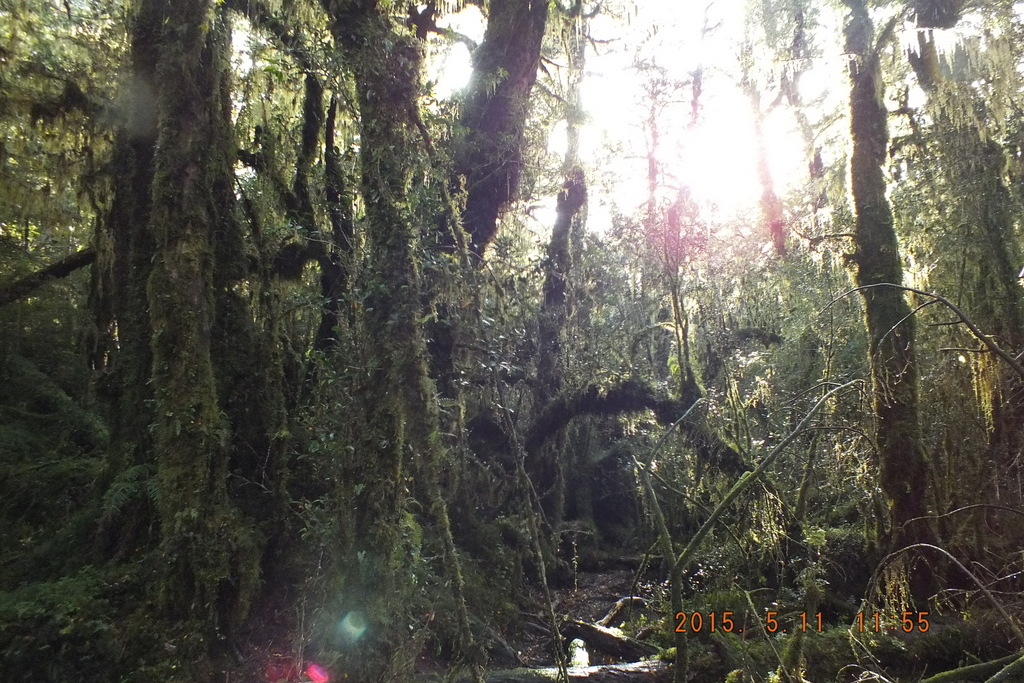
<point x="166" y="312"/>
<point x="547" y="469"/>
<point x="334" y="265"/>
<point x="555" y="307"/>
<point x="490" y="157"/>
<point x="246" y="334"/>
<point x="570" y="221"/>
<point x="890" y="325"/>
<point x="386" y="84"/>
<point x="1000" y="296"/>
<point x="124" y="248"/>
<point x="974" y="163"/>
<point x="401" y="437"/>
<point x="211" y="560"/>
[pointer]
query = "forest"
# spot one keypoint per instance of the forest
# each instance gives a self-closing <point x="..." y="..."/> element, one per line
<point x="512" y="340"/>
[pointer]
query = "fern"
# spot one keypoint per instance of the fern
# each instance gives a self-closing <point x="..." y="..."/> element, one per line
<point x="138" y="482"/>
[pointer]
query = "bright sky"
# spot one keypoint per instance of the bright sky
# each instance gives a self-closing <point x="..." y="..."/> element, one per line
<point x="716" y="157"/>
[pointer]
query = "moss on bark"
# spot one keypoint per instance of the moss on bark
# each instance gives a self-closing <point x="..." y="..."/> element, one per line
<point x="490" y="157"/>
<point x="401" y="436"/>
<point x="975" y="163"/>
<point x="212" y="556"/>
<point x="890" y="325"/>
<point x="124" y="254"/>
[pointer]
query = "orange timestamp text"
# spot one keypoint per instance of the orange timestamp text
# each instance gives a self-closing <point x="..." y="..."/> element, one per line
<point x="696" y="622"/>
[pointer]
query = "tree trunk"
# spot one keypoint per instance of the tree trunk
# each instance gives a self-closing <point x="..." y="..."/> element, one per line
<point x="402" y="416"/>
<point x="546" y="468"/>
<point x="504" y="71"/>
<point x="608" y="642"/>
<point x="211" y="560"/>
<point x="975" y="163"/>
<point x="555" y="309"/>
<point x="121" y="354"/>
<point x="890" y="325"/>
<point x="334" y="265"/>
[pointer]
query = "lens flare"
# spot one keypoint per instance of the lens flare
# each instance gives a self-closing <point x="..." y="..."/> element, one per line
<point x="281" y="668"/>
<point x="317" y="673"/>
<point x="351" y="627"/>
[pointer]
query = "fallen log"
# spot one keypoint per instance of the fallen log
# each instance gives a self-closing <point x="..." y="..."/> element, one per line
<point x="642" y="672"/>
<point x="612" y="618"/>
<point x="608" y="641"/>
<point x="972" y="672"/>
<point x="1012" y="672"/>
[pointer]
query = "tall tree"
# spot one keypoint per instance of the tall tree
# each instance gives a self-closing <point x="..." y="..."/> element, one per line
<point x="547" y="468"/>
<point x="192" y="166"/>
<point x="890" y="323"/>
<point x="402" y="417"/>
<point x="494" y="115"/>
<point x="973" y="159"/>
<point x="124" y="249"/>
<point x="161" y="299"/>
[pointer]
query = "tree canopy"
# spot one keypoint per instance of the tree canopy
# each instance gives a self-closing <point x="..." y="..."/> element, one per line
<point x="375" y="341"/>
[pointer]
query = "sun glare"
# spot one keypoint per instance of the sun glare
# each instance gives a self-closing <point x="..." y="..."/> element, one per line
<point x="450" y="71"/>
<point x="641" y="84"/>
<point x="632" y="93"/>
<point x="451" y="68"/>
<point x="717" y="157"/>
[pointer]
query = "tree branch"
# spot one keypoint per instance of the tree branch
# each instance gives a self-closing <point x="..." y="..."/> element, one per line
<point x="26" y="285"/>
<point x="975" y="330"/>
<point x="632" y="396"/>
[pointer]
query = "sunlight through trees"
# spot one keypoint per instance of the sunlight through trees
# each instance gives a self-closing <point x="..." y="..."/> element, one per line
<point x="511" y="340"/>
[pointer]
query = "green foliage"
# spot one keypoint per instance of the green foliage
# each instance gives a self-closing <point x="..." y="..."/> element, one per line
<point x="50" y="451"/>
<point x="54" y="80"/>
<point x="135" y="483"/>
<point x="332" y="472"/>
<point x="58" y="630"/>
